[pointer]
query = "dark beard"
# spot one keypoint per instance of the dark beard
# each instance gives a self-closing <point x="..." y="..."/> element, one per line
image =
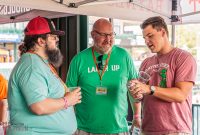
<point x="54" y="57"/>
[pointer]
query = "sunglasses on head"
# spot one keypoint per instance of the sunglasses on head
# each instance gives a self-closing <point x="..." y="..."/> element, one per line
<point x="100" y="62"/>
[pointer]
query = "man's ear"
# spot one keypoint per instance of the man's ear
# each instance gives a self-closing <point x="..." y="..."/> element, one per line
<point x="41" y="42"/>
<point x="163" y="32"/>
<point x="92" y="34"/>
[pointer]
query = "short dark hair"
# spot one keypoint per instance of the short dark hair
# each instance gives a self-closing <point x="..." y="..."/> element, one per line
<point x="29" y="42"/>
<point x="156" y="22"/>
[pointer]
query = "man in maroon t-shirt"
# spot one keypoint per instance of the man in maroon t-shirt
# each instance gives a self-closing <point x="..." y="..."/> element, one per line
<point x="167" y="95"/>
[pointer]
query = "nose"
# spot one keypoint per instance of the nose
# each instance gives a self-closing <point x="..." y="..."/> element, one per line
<point x="108" y="37"/>
<point x="57" y="39"/>
<point x="146" y="40"/>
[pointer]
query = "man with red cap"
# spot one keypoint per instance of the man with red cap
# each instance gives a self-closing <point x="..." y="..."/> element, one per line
<point x="39" y="101"/>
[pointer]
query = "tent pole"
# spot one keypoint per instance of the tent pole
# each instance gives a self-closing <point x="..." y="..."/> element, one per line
<point x="173" y="34"/>
<point x="111" y="21"/>
<point x="15" y="52"/>
<point x="174" y="18"/>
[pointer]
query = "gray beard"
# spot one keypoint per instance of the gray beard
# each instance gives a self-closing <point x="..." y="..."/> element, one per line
<point x="101" y="51"/>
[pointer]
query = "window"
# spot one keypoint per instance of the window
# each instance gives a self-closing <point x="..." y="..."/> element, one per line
<point x="10" y="37"/>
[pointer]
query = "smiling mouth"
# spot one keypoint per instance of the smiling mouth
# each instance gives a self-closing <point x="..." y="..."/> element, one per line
<point x="106" y="42"/>
<point x="151" y="46"/>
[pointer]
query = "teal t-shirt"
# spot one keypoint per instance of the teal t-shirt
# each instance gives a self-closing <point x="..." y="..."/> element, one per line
<point x="102" y="113"/>
<point x="32" y="81"/>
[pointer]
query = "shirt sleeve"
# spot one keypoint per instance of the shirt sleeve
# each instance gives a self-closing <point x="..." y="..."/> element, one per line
<point x="133" y="73"/>
<point x="72" y="76"/>
<point x="33" y="86"/>
<point x="186" y="69"/>
<point x="3" y="87"/>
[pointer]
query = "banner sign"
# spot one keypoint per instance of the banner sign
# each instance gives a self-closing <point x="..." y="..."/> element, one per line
<point x="9" y="10"/>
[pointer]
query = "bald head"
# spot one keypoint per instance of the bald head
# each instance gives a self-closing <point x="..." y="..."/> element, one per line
<point x="101" y="23"/>
<point x="103" y="36"/>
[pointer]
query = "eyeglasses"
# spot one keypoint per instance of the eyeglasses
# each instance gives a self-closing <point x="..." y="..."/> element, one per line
<point x="100" y="62"/>
<point x="105" y="35"/>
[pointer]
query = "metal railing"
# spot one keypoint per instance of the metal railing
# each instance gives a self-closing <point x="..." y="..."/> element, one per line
<point x="196" y="119"/>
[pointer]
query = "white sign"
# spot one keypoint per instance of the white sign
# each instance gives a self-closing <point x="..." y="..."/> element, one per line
<point x="7" y="38"/>
<point x="9" y="10"/>
<point x="190" y="6"/>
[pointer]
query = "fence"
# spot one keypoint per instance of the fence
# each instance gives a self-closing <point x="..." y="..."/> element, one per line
<point x="196" y="119"/>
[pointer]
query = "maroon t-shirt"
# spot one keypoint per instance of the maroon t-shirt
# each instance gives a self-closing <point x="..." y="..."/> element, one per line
<point x="161" y="117"/>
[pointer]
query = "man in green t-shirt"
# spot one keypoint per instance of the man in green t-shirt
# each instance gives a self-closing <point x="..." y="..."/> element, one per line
<point x="39" y="102"/>
<point x="102" y="71"/>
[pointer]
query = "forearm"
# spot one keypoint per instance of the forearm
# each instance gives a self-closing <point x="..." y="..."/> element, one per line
<point x="48" y="106"/>
<point x="137" y="108"/>
<point x="170" y="94"/>
<point x="3" y="110"/>
<point x="178" y="93"/>
<point x="137" y="115"/>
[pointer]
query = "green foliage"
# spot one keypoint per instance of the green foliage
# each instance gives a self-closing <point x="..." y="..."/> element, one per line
<point x="187" y="37"/>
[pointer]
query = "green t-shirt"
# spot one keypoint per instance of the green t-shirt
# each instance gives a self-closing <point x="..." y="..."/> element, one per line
<point x="32" y="81"/>
<point x="102" y="113"/>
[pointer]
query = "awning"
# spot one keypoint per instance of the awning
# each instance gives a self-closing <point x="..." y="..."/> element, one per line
<point x="137" y="10"/>
<point x="119" y="9"/>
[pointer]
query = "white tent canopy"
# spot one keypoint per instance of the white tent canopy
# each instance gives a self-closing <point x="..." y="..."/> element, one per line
<point x="137" y="10"/>
<point x="173" y="11"/>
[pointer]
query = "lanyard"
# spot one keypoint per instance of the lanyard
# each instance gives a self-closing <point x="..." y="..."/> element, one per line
<point x="53" y="71"/>
<point x="104" y="69"/>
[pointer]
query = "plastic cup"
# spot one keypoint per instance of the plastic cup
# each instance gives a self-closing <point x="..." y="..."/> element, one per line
<point x="136" y="131"/>
<point x="143" y="77"/>
<point x="72" y="88"/>
<point x="1" y="130"/>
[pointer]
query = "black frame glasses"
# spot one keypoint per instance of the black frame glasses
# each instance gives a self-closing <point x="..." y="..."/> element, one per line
<point x="105" y="35"/>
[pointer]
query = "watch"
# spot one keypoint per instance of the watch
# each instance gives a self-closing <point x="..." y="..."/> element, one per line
<point x="152" y="88"/>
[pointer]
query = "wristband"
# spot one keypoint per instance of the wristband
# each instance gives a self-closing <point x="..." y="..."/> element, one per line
<point x="65" y="101"/>
<point x="136" y="116"/>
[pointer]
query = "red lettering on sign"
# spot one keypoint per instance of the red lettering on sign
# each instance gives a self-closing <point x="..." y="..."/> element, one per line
<point x="159" y="5"/>
<point x="195" y="4"/>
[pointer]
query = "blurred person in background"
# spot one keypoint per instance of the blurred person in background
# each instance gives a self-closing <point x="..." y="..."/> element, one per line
<point x="3" y="104"/>
<point x="3" y="99"/>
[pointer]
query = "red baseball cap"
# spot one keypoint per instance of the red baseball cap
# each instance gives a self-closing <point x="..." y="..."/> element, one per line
<point x="41" y="25"/>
